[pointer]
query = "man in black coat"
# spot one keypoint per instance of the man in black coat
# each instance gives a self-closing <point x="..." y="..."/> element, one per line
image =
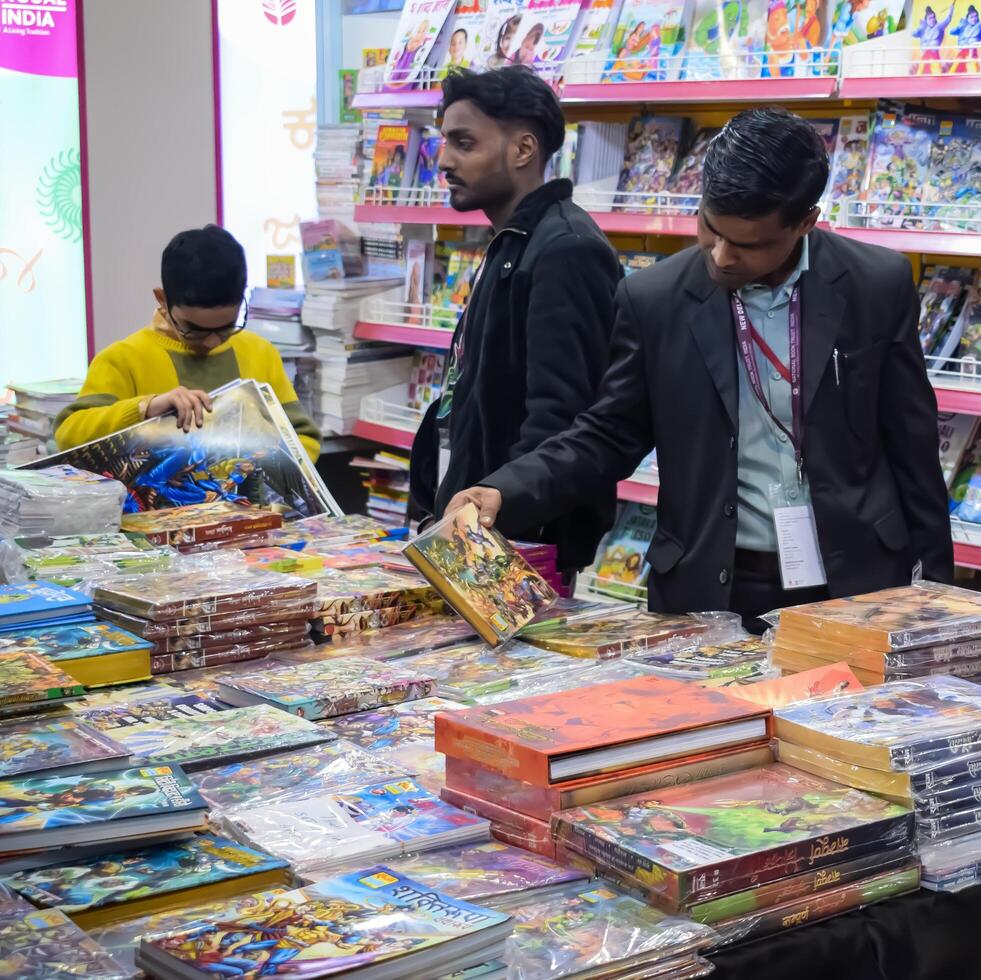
<point x="532" y="346"/>
<point x="778" y="371"/>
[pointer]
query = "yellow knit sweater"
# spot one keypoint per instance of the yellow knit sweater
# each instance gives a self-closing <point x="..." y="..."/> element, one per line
<point x="123" y="378"/>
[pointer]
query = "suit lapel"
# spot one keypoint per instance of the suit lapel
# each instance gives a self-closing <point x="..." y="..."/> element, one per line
<point x="711" y="326"/>
<point x="822" y="308"/>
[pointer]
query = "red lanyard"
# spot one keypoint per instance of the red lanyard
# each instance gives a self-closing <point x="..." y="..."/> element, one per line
<point x="747" y="335"/>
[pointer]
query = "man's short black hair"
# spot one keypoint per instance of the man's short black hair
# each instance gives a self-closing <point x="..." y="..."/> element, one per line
<point x="203" y="267"/>
<point x="765" y="160"/>
<point x="514" y="93"/>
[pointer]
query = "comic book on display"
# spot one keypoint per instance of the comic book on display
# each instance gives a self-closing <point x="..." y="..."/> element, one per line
<point x="480" y="575"/>
<point x="47" y="945"/>
<point x="246" y="452"/>
<point x="952" y="188"/>
<point x="544" y="33"/>
<point x="200" y="523"/>
<point x="945" y="37"/>
<point x="419" y="26"/>
<point x="328" y="689"/>
<point x="542" y="801"/>
<point x="848" y="164"/>
<point x="622" y="559"/>
<point x="727" y="40"/>
<point x="55" y="746"/>
<point x="320" y="834"/>
<point x="853" y="21"/>
<point x="118" y="886"/>
<point x="51" y="811"/>
<point x="687" y="178"/>
<point x="594" y="929"/>
<point x="126" y="708"/>
<point x="213" y="739"/>
<point x="411" y="721"/>
<point x="40" y="602"/>
<point x="794" y="33"/>
<point x="28" y="681"/>
<point x="384" y="917"/>
<point x="653" y="145"/>
<point x="185" y="595"/>
<point x="552" y="738"/>
<point x="603" y="638"/>
<point x="396" y="153"/>
<point x="649" y="41"/>
<point x="895" y="727"/>
<point x="722" y="835"/>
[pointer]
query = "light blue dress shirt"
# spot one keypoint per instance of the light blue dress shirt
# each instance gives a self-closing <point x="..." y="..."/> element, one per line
<point x="766" y="455"/>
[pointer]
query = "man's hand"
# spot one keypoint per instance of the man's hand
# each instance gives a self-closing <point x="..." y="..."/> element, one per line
<point x="188" y="405"/>
<point x="486" y="499"/>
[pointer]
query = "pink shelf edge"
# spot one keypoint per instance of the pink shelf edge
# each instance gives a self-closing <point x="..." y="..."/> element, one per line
<point x="638" y="493"/>
<point x="910" y="86"/>
<point x="967" y="555"/>
<point x="400" y="334"/>
<point x="410" y="214"/>
<point x="712" y="90"/>
<point x="958" y="400"/>
<point x="387" y="435"/>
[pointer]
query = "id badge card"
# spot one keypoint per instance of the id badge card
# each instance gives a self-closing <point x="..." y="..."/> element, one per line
<point x="442" y="464"/>
<point x="801" y="564"/>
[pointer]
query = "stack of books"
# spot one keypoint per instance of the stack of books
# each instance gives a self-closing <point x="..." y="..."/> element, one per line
<point x="907" y="632"/>
<point x="337" y="164"/>
<point x="543" y="558"/>
<point x="752" y="853"/>
<point x="198" y="618"/>
<point x="202" y="527"/>
<point x="38" y="405"/>
<point x="916" y="742"/>
<point x="386" y="478"/>
<point x="519" y="761"/>
<point x="98" y="891"/>
<point x="275" y="315"/>
<point x="41" y="603"/>
<point x="58" y="499"/>
<point x="29" y="683"/>
<point x="332" y="531"/>
<point x="437" y="934"/>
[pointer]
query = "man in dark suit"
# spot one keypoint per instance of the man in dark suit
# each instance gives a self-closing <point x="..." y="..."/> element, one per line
<point x="532" y="346"/>
<point x="777" y="370"/>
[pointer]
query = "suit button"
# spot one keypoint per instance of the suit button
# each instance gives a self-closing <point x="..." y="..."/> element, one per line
<point x="732" y="442"/>
<point x="728" y="510"/>
<point x="723" y="576"/>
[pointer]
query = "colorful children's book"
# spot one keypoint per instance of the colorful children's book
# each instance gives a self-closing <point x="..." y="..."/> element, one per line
<point x="591" y="36"/>
<point x="544" y="33"/>
<point x="729" y="658"/>
<point x="396" y="150"/>
<point x="28" y="681"/>
<point x="721" y="835"/>
<point x="417" y="283"/>
<point x="322" y="833"/>
<point x="348" y="81"/>
<point x="335" y="765"/>
<point x="500" y="32"/>
<point x="208" y="740"/>
<point x="956" y="433"/>
<point x="418" y="28"/>
<point x="201" y="523"/>
<point x="653" y="145"/>
<point x="386" y="728"/>
<point x="848" y="163"/>
<point x="124" y="709"/>
<point x="951" y="189"/>
<point x="53" y="811"/>
<point x="480" y="575"/>
<point x="794" y="33"/>
<point x="322" y="256"/>
<point x="686" y="181"/>
<point x="34" y="603"/>
<point x="936" y="46"/>
<point x="621" y="563"/>
<point x="893" y="727"/>
<point x="154" y="879"/>
<point x="727" y="40"/>
<point x="552" y="738"/>
<point x="327" y="689"/>
<point x="821" y="682"/>
<point x="854" y="21"/>
<point x="55" y="746"/>
<point x="649" y="41"/>
<point x="465" y="35"/>
<point x="360" y="907"/>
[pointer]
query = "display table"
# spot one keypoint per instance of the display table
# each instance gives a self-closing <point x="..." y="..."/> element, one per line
<point x="923" y="936"/>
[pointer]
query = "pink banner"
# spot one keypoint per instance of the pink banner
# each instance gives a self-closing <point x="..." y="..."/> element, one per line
<point x="37" y="37"/>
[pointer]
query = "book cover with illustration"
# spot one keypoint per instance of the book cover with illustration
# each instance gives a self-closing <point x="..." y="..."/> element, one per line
<point x="821" y="682"/>
<point x="465" y="32"/>
<point x="45" y="803"/>
<point x="721" y="835"/>
<point x="124" y="710"/>
<point x="705" y="661"/>
<point x="479" y="573"/>
<point x="408" y="639"/>
<point x="853" y="21"/>
<point x="621" y="562"/>
<point x="916" y="615"/>
<point x="418" y="28"/>
<point x="727" y="40"/>
<point x="454" y="270"/>
<point x="897" y="726"/>
<point x="209" y="739"/>
<point x="613" y="636"/>
<point x="848" y="163"/>
<point x="687" y="178"/>
<point x="304" y="927"/>
<point x="125" y="884"/>
<point x="649" y="41"/>
<point x="73" y="641"/>
<point x="411" y="721"/>
<point x="27" y="680"/>
<point x="57" y="745"/>
<point x="323" y="258"/>
<point x="245" y="452"/>
<point x="82" y="545"/>
<point x="653" y="145"/>
<point x="523" y="738"/>
<point x="945" y="37"/>
<point x="544" y="33"/>
<point x="951" y="185"/>
<point x="396" y="149"/>
<point x="500" y="32"/>
<point x="199" y="523"/>
<point x="794" y="32"/>
<point x="338" y="764"/>
<point x="326" y="689"/>
<point x="27" y="603"/>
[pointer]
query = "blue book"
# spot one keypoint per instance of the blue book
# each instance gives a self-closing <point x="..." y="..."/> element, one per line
<point x="73" y="641"/>
<point x="41" y="602"/>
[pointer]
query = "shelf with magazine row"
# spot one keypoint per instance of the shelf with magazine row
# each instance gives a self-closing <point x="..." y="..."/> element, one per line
<point x="414" y="324"/>
<point x="893" y="70"/>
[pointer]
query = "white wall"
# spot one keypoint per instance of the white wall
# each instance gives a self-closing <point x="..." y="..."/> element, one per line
<point x="151" y="148"/>
<point x="361" y="31"/>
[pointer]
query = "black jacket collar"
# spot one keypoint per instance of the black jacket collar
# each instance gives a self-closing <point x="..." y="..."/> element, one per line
<point x="532" y="207"/>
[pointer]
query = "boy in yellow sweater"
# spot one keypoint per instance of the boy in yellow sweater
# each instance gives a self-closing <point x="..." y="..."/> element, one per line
<point x="196" y="342"/>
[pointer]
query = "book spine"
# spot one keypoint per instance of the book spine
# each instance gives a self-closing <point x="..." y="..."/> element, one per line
<point x="535" y="801"/>
<point x="169" y="663"/>
<point x="228" y="530"/>
<point x="935" y="750"/>
<point x="460" y="741"/>
<point x="954" y="773"/>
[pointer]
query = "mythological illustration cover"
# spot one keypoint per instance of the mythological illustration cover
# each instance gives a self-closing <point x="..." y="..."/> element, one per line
<point x="59" y="744"/>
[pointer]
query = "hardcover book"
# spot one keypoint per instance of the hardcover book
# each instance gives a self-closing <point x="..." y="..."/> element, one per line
<point x="124" y="709"/>
<point x="158" y="878"/>
<point x="480" y="575"/>
<point x="55" y="747"/>
<point x="551" y="738"/>
<point x="72" y="642"/>
<point x="28" y="681"/>
<point x="721" y="835"/>
<point x="201" y="523"/>
<point x="328" y="689"/>
<point x="30" y="603"/>
<point x="302" y="929"/>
